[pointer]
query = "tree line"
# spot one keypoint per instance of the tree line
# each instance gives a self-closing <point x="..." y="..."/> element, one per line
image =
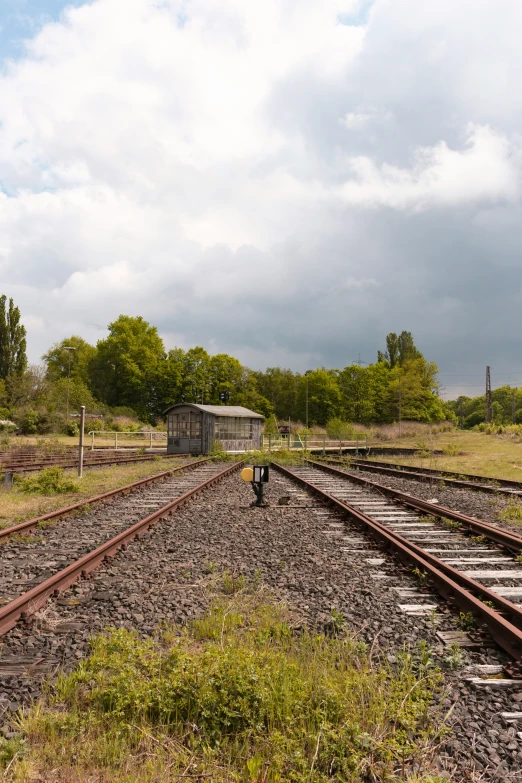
<point x="506" y="408"/>
<point x="130" y="372"/>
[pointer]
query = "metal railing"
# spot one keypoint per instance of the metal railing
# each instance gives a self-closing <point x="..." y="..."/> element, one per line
<point x="149" y="436"/>
<point x="276" y="442"/>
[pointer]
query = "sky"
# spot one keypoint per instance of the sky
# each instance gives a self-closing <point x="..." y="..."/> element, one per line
<point x="285" y="181"/>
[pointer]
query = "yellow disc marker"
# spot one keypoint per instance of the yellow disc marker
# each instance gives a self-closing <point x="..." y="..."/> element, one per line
<point x="247" y="474"/>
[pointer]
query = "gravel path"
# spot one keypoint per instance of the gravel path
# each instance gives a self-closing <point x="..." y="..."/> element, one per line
<point x="306" y="553"/>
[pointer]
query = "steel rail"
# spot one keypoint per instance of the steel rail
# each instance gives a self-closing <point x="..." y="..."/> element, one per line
<point x="32" y="524"/>
<point x="425" y="474"/>
<point x="511" y="541"/>
<point x="454" y="586"/>
<point x="28" y="467"/>
<point x="34" y="599"/>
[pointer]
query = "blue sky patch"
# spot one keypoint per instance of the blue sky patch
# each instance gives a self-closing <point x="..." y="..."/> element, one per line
<point x="21" y="19"/>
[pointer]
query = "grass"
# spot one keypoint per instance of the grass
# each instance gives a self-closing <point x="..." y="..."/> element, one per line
<point x="237" y="696"/>
<point x="511" y="512"/>
<point x="17" y="506"/>
<point x="465" y="452"/>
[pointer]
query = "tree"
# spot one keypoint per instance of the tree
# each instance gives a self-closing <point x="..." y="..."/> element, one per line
<point x="324" y="395"/>
<point x="13" y="343"/>
<point x="126" y="370"/>
<point x="340" y="430"/>
<point x="57" y="359"/>
<point x="280" y="387"/>
<point x="399" y="350"/>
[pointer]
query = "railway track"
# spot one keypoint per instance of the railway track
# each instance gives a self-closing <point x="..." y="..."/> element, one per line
<point x="481" y="579"/>
<point x="455" y="479"/>
<point x="38" y="567"/>
<point x="17" y="465"/>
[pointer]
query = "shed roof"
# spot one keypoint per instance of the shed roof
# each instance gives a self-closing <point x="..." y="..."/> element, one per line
<point x="219" y="410"/>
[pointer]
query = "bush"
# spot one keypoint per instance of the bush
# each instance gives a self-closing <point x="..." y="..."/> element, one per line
<point x="50" y="481"/>
<point x="94" y="425"/>
<point x="37" y="422"/>
<point x="5" y="413"/>
<point x="71" y="428"/>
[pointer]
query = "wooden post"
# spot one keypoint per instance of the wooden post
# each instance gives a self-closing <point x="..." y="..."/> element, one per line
<point x="324" y="445"/>
<point x="115" y="441"/>
<point x="92" y="440"/>
<point x="151" y="440"/>
<point x="82" y="430"/>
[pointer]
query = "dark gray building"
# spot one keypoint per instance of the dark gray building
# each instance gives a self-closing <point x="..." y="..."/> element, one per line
<point x="191" y="428"/>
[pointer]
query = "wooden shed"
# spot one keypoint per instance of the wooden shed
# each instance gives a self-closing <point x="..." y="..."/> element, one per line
<point x="191" y="428"/>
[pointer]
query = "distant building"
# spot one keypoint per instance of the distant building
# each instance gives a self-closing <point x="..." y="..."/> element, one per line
<point x="192" y="428"/>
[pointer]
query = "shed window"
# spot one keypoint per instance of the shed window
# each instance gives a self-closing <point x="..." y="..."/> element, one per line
<point x="184" y="425"/>
<point x="233" y="428"/>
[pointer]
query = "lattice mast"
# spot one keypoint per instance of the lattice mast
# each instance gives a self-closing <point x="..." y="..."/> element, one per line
<point x="489" y="406"/>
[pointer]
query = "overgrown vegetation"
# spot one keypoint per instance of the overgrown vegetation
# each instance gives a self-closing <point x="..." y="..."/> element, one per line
<point x="512" y="512"/>
<point x="237" y="696"/>
<point x="49" y="481"/>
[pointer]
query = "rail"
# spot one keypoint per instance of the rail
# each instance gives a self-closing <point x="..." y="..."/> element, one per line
<point x="454" y="586"/>
<point x="33" y="600"/>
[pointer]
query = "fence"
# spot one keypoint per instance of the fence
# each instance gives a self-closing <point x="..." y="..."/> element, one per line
<point x="133" y="439"/>
<point x="291" y="442"/>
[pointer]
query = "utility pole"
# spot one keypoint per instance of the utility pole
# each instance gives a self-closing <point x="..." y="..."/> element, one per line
<point x="68" y="348"/>
<point x="512" y="406"/>
<point x="489" y="407"/>
<point x="80" y="450"/>
<point x="306" y="402"/>
<point x="400" y="411"/>
<point x="461" y="417"/>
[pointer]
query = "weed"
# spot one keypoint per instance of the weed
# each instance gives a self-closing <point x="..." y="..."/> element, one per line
<point x="49" y="481"/>
<point x="512" y="512"/>
<point x="478" y="539"/>
<point x="518" y="558"/>
<point x="232" y="583"/>
<point x="455" y="657"/>
<point x="450" y="524"/>
<point x="421" y="576"/>
<point x="433" y="618"/>
<point x="466" y="621"/>
<point x="21" y="538"/>
<point x="451" y="450"/>
<point x="337" y="622"/>
<point x="236" y="696"/>
<point x="210" y="567"/>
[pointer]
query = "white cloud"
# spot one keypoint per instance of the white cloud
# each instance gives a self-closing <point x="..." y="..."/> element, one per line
<point x="195" y="161"/>
<point x="486" y="169"/>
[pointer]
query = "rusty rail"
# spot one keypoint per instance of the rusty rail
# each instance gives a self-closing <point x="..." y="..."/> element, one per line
<point x="31" y="467"/>
<point x="34" y="599"/>
<point x="427" y="474"/>
<point x="31" y="524"/>
<point x="454" y="586"/>
<point x="511" y="541"/>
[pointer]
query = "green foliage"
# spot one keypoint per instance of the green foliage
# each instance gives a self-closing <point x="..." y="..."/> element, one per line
<point x="58" y="360"/>
<point x="450" y="523"/>
<point x="35" y="422"/>
<point x="49" y="481"/>
<point x="340" y="430"/>
<point x="236" y="693"/>
<point x="512" y="512"/>
<point x="13" y="343"/>
<point x="466" y="621"/>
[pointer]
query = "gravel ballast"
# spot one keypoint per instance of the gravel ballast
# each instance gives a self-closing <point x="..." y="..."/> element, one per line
<point x="311" y="558"/>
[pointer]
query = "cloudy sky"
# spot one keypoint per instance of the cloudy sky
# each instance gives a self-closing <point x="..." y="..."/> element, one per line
<point x="286" y="180"/>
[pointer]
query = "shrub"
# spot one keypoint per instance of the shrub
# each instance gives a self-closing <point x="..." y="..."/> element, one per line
<point x="50" y="481"/>
<point x="71" y="428"/>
